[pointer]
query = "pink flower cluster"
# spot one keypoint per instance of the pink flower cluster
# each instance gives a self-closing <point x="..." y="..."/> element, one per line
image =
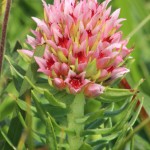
<point x="84" y="49"/>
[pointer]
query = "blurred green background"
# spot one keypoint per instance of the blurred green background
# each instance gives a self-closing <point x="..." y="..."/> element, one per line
<point x="135" y="11"/>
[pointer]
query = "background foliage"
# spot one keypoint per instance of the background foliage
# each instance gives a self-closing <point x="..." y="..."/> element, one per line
<point x="135" y="11"/>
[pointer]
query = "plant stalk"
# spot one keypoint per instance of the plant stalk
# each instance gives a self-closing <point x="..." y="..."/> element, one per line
<point x="76" y="111"/>
<point x="4" y="31"/>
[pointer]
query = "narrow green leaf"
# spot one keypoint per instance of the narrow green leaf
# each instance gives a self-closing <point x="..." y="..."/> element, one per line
<point x="121" y="137"/>
<point x="117" y="112"/>
<point x="82" y="120"/>
<point x="52" y="100"/>
<point x="22" y="120"/>
<point x="42" y="113"/>
<point x="7" y="140"/>
<point x="127" y="115"/>
<point x="103" y="145"/>
<point x="118" y="127"/>
<point x="136" y="129"/>
<point x="96" y="123"/>
<point x="132" y="143"/>
<point x="14" y="133"/>
<point x="64" y="97"/>
<point x="50" y="134"/>
<point x="63" y="146"/>
<point x="6" y="108"/>
<point x="32" y="70"/>
<point x="56" y="112"/>
<point x="24" y="106"/>
<point x="95" y="115"/>
<point x="15" y="69"/>
<point x="40" y="90"/>
<point x="103" y="139"/>
<point x="92" y="117"/>
<point x="85" y="146"/>
<point x="115" y="95"/>
<point x="135" y="116"/>
<point x="58" y="127"/>
<point x="97" y="131"/>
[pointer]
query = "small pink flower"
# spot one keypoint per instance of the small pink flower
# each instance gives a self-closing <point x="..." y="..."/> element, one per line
<point x="84" y="49"/>
<point x="76" y="82"/>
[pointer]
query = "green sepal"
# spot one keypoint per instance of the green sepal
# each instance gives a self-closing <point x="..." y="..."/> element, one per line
<point x="97" y="75"/>
<point x="61" y="56"/>
<point x="91" y="68"/>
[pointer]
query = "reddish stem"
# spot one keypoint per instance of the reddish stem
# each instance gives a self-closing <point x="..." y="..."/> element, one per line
<point x="4" y="30"/>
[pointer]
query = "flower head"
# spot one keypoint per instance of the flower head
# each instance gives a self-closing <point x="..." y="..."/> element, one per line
<point x="84" y="47"/>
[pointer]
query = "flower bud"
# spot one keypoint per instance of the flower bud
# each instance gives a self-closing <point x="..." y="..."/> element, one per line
<point x="93" y="90"/>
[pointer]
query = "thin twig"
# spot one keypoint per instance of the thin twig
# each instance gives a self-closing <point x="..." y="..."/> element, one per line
<point x="4" y="30"/>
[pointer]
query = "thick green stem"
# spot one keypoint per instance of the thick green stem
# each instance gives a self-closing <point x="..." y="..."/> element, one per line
<point x="76" y="111"/>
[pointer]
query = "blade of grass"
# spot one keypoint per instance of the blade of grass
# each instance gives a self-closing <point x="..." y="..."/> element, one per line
<point x="139" y="26"/>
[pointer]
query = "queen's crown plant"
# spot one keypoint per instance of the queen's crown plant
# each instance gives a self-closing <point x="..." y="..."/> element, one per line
<point x="66" y="82"/>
